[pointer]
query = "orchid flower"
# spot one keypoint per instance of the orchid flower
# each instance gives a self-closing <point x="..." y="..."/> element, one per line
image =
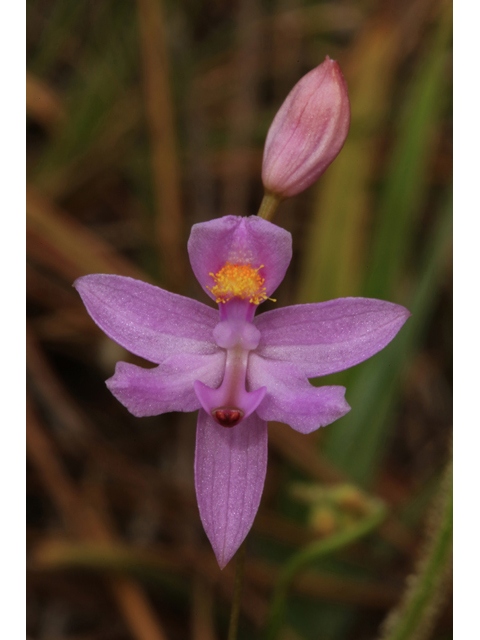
<point x="238" y="369"/>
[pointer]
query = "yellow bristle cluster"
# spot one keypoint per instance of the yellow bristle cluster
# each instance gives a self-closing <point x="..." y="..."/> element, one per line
<point x="238" y="281"/>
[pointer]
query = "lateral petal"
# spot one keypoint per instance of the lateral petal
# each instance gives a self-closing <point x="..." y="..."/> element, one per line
<point x="168" y="387"/>
<point x="291" y="399"/>
<point x="230" y="468"/>
<point x="146" y="320"/>
<point x="239" y="240"/>
<point x="326" y="337"/>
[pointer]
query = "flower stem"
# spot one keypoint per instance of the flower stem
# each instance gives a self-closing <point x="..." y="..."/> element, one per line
<point x="237" y="592"/>
<point x="310" y="554"/>
<point x="269" y="205"/>
<point x="417" y="613"/>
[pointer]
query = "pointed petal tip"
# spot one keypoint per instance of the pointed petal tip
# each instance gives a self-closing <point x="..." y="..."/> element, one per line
<point x="92" y="284"/>
<point x="224" y="556"/>
<point x="119" y="388"/>
<point x="83" y="281"/>
<point x="76" y="284"/>
<point x="402" y="314"/>
<point x="342" y="405"/>
<point x="230" y="468"/>
<point x="346" y="407"/>
<point x="332" y="63"/>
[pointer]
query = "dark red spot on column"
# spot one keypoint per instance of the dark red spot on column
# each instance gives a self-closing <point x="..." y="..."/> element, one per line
<point x="227" y="417"/>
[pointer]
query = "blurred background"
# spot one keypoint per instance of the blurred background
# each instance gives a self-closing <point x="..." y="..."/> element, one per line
<point x="143" y="118"/>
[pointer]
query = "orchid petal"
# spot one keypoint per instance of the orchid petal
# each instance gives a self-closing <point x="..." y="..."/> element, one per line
<point x="146" y="320"/>
<point x="291" y="399"/>
<point x="238" y="240"/>
<point x="168" y="387"/>
<point x="230" y="468"/>
<point x="326" y="337"/>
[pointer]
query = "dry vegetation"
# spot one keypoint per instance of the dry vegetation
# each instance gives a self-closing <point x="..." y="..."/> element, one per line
<point x="145" y="117"/>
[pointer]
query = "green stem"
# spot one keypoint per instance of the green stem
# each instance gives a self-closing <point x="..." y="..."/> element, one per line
<point x="415" y="616"/>
<point x="237" y="592"/>
<point x="269" y="205"/>
<point x="310" y="554"/>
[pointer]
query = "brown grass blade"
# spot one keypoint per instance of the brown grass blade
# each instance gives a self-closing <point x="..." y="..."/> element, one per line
<point x="60" y="242"/>
<point x="246" y="68"/>
<point x="260" y="576"/>
<point x="165" y="164"/>
<point x="106" y="154"/>
<point x="203" y="622"/>
<point x="43" y="105"/>
<point x="336" y="247"/>
<point x="87" y="524"/>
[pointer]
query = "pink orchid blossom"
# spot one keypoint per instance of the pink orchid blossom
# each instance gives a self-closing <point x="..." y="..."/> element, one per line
<point x="308" y="131"/>
<point x="239" y="370"/>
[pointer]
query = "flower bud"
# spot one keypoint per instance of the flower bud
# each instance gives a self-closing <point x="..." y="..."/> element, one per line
<point x="308" y="131"/>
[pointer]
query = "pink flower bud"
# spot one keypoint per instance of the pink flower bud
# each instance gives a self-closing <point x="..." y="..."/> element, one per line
<point x="308" y="131"/>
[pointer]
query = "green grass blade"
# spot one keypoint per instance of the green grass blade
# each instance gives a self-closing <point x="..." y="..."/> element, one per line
<point x="98" y="85"/>
<point x="415" y="618"/>
<point x="356" y="442"/>
<point x="55" y="36"/>
<point x="407" y="182"/>
<point x="334" y="248"/>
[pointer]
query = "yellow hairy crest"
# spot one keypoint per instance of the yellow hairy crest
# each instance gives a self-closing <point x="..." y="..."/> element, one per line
<point x="238" y="281"/>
